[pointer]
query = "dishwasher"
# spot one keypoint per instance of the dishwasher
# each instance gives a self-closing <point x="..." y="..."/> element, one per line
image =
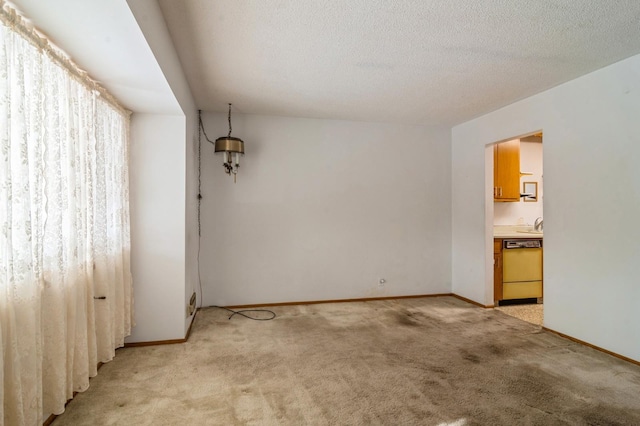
<point x="522" y="269"/>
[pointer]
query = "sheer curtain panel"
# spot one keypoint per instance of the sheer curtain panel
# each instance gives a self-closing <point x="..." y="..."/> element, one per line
<point x="65" y="282"/>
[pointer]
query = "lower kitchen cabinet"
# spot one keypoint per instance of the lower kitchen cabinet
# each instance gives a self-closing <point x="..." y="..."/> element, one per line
<point x="497" y="270"/>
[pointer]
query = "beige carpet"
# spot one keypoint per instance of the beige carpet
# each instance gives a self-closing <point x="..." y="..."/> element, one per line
<point x="429" y="361"/>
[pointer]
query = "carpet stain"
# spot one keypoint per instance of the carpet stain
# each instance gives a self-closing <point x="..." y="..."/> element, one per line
<point x="423" y="361"/>
<point x="405" y="319"/>
<point x="470" y="357"/>
<point x="497" y="350"/>
<point x="534" y="384"/>
<point x="606" y="415"/>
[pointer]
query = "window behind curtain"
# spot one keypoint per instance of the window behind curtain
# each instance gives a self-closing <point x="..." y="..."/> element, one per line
<point x="65" y="282"/>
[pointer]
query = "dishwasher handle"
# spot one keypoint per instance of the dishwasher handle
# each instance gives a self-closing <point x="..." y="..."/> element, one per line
<point x="521" y="244"/>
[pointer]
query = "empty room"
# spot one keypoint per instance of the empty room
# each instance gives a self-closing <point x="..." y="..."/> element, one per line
<point x="332" y="212"/>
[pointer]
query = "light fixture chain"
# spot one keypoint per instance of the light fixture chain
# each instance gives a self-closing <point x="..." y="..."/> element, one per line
<point x="229" y="118"/>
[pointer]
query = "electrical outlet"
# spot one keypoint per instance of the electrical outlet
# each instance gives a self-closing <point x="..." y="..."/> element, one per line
<point x="381" y="282"/>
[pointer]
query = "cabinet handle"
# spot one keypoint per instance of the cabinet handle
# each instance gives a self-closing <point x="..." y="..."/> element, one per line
<point x="500" y="191"/>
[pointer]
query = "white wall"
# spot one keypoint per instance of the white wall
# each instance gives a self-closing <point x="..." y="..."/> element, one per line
<point x="157" y="192"/>
<point x="323" y="209"/>
<point x="592" y="203"/>
<point x="151" y="21"/>
<point x="512" y="213"/>
<point x="191" y="211"/>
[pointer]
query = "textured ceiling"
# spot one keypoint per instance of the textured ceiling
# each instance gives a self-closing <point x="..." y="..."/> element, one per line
<point x="424" y="62"/>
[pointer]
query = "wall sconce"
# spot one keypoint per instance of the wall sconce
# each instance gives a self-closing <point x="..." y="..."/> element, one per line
<point x="231" y="149"/>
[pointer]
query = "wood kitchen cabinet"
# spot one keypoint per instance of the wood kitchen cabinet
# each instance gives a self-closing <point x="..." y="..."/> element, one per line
<point x="506" y="171"/>
<point x="497" y="270"/>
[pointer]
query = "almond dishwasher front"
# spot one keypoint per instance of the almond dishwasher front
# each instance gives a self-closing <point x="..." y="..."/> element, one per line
<point x="522" y="269"/>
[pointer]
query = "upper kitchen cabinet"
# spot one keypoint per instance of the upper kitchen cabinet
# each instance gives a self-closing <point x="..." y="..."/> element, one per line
<point x="506" y="171"/>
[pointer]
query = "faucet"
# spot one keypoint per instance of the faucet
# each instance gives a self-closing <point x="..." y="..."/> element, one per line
<point x="537" y="225"/>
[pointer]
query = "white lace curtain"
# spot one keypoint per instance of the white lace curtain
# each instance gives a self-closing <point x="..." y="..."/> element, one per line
<point x="65" y="282"/>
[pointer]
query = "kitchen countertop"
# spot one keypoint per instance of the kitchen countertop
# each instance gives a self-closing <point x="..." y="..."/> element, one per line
<point x="512" y="231"/>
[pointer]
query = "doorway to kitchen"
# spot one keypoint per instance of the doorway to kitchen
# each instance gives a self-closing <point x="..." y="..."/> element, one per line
<point x="518" y="224"/>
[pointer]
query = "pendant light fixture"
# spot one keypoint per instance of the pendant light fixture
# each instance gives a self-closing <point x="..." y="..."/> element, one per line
<point x="231" y="148"/>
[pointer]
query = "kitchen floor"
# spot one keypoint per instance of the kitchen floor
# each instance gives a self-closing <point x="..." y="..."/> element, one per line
<point x="531" y="312"/>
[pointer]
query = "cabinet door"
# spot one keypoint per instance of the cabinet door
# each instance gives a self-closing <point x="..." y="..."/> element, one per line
<point x="497" y="277"/>
<point x="497" y="270"/>
<point x="506" y="171"/>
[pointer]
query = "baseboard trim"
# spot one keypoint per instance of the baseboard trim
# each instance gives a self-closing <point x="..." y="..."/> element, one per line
<point x="473" y="302"/>
<point x="50" y="420"/>
<point x="317" y="302"/>
<point x="598" y="348"/>
<point x="154" y="343"/>
<point x="165" y="342"/>
<point x="362" y="299"/>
